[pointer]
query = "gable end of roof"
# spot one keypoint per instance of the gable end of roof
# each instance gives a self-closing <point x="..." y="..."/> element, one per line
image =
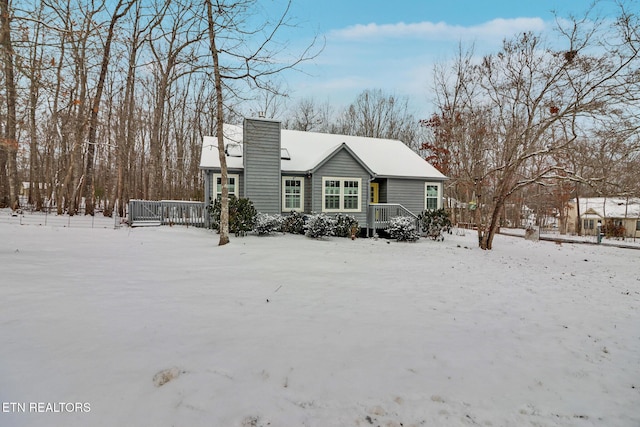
<point x="341" y="147"/>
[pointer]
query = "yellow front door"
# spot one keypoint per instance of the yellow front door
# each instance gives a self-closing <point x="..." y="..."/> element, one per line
<point x="374" y="190"/>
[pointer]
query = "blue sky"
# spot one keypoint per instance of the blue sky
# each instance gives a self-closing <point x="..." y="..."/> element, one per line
<point x="393" y="46"/>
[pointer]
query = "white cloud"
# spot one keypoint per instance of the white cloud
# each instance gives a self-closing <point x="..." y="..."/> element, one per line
<point x="496" y="28"/>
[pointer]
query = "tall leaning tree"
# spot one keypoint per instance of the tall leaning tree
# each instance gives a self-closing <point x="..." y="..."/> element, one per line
<point x="9" y="142"/>
<point x="245" y="50"/>
<point x="514" y="111"/>
<point x="121" y="9"/>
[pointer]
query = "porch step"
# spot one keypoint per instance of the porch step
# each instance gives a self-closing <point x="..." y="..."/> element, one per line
<point x="142" y="223"/>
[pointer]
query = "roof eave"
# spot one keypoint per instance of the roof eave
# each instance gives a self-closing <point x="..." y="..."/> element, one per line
<point x="422" y="178"/>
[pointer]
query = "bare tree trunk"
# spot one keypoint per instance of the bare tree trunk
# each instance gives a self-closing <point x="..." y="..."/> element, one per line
<point x="578" y="214"/>
<point x="224" y="210"/>
<point x="9" y="141"/>
<point x="4" y="184"/>
<point x="127" y="121"/>
<point x="35" y="174"/>
<point x="494" y="225"/>
<point x="53" y="134"/>
<point x="73" y="183"/>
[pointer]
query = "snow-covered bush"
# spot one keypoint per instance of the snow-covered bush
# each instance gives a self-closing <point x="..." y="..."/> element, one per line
<point x="403" y="229"/>
<point x="213" y="210"/>
<point x="319" y="225"/>
<point x="346" y="225"/>
<point x="242" y="215"/>
<point x="293" y="223"/>
<point x="435" y="223"/>
<point x="267" y="224"/>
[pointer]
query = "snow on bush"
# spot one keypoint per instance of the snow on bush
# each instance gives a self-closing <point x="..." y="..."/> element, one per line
<point x="434" y="223"/>
<point x="346" y="225"/>
<point x="319" y="225"/>
<point x="267" y="224"/>
<point x="293" y="223"/>
<point x="403" y="229"/>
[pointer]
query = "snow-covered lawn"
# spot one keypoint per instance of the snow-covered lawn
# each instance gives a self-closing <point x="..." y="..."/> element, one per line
<point x="290" y="331"/>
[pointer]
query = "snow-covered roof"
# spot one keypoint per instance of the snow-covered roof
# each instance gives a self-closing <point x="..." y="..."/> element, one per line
<point x="307" y="150"/>
<point x="233" y="145"/>
<point x="610" y="207"/>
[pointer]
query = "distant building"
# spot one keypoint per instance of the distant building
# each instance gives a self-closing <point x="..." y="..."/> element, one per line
<point x="617" y="213"/>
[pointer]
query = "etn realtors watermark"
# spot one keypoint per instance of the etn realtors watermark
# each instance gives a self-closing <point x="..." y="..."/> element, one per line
<point x="46" y="407"/>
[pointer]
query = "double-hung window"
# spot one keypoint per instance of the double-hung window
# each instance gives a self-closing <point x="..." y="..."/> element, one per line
<point x="341" y="194"/>
<point x="233" y="182"/>
<point x="638" y="225"/>
<point x="292" y="194"/>
<point x="431" y="196"/>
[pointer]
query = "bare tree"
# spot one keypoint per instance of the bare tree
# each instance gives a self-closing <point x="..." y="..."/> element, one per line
<point x="269" y="103"/>
<point x="77" y="94"/>
<point x="310" y="116"/>
<point x="34" y="74"/>
<point x="9" y="142"/>
<point x="536" y="101"/>
<point x="127" y="125"/>
<point x="458" y="135"/>
<point x="174" y="52"/>
<point x="121" y="9"/>
<point x="379" y="115"/>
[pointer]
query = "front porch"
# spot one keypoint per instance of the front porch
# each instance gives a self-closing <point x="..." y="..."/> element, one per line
<point x="379" y="216"/>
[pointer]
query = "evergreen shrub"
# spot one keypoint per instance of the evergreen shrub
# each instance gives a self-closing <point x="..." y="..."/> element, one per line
<point x="319" y="225"/>
<point x="242" y="215"/>
<point x="346" y="225"/>
<point x="403" y="229"/>
<point x="267" y="224"/>
<point x="435" y="223"/>
<point x="293" y="223"/>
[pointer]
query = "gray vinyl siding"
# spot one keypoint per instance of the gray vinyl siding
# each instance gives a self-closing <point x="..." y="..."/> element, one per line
<point x="341" y="165"/>
<point x="410" y="193"/>
<point x="382" y="191"/>
<point x="308" y="195"/>
<point x="262" y="180"/>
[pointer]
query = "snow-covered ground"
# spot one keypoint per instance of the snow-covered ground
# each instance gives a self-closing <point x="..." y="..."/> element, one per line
<point x="289" y="331"/>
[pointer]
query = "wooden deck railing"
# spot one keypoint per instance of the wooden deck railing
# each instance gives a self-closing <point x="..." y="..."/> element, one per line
<point x="166" y="212"/>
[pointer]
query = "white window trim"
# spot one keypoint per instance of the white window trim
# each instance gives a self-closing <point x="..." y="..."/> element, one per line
<point x="342" y="180"/>
<point x="439" y="200"/>
<point x="214" y="184"/>
<point x="297" y="178"/>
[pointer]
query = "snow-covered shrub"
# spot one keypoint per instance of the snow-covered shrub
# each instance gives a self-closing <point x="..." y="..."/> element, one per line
<point x="435" y="223"/>
<point x="293" y="223"/>
<point x="267" y="224"/>
<point x="319" y="225"/>
<point x="213" y="210"/>
<point x="403" y="229"/>
<point x="242" y="215"/>
<point x="346" y="225"/>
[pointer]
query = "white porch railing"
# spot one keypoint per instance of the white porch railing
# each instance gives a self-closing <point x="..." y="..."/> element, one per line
<point x="379" y="215"/>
